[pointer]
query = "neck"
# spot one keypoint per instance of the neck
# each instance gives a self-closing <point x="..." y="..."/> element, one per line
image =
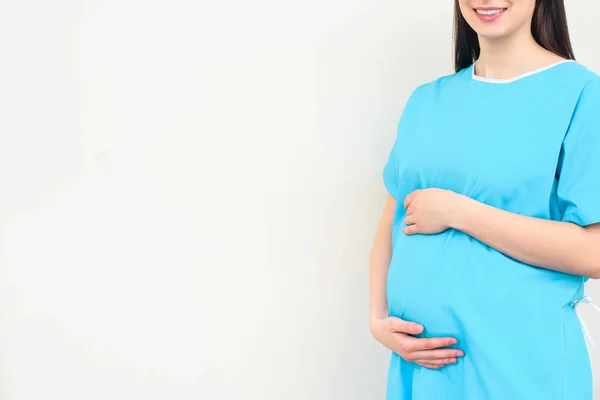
<point x="510" y="56"/>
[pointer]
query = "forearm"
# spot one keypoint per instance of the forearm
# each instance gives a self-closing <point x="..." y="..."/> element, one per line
<point x="381" y="254"/>
<point x="559" y="246"/>
<point x="378" y="269"/>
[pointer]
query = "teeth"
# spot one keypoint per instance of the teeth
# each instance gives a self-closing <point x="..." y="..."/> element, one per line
<point x="490" y="12"/>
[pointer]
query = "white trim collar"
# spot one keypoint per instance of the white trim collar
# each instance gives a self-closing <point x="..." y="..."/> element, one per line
<point x="516" y="78"/>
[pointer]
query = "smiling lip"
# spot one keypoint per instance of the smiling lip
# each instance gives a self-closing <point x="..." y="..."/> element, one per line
<point x="489" y="17"/>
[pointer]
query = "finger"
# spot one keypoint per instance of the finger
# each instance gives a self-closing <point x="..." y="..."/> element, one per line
<point x="406" y="201"/>
<point x="409" y="199"/>
<point x="411" y="229"/>
<point x="431" y="366"/>
<point x="399" y="325"/>
<point x="440" y="354"/>
<point x="410" y="219"/>
<point x="411" y="344"/>
<point x="441" y="362"/>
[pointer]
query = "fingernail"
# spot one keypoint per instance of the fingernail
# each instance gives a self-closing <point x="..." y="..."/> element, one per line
<point x="459" y="354"/>
<point x="453" y="361"/>
<point x="417" y="328"/>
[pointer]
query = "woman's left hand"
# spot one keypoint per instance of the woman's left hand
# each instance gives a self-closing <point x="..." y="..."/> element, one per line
<point x="430" y="211"/>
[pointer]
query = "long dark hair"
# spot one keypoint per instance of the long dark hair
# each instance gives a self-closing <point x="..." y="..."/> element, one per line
<point x="549" y="29"/>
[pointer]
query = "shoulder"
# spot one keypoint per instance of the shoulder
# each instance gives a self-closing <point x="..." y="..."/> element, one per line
<point x="577" y="69"/>
<point x="578" y="75"/>
<point x="585" y="116"/>
<point x="585" y="83"/>
<point x="442" y="83"/>
<point x="590" y="94"/>
<point x="592" y="85"/>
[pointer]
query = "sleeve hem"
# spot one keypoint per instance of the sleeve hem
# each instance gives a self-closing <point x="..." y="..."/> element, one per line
<point x="389" y="185"/>
<point x="577" y="218"/>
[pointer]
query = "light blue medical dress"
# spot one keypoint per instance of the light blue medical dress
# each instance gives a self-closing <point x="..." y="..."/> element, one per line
<point x="529" y="145"/>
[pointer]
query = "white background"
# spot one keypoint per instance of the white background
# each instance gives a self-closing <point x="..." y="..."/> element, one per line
<point x="189" y="191"/>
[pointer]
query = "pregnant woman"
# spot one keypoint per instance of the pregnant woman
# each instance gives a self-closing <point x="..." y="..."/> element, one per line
<point x="491" y="225"/>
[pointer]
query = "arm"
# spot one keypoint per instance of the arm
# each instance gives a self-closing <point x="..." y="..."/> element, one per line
<point x="395" y="333"/>
<point x="560" y="246"/>
<point x="381" y="254"/>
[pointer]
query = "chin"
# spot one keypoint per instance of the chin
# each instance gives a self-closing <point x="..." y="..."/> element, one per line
<point x="492" y="34"/>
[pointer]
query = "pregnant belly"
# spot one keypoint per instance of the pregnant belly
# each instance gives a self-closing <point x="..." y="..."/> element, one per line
<point x="450" y="281"/>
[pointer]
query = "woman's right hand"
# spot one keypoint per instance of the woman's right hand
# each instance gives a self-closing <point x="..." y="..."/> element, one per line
<point x="396" y="334"/>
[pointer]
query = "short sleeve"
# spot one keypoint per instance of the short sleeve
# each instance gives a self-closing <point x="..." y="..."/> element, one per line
<point x="390" y="170"/>
<point x="578" y="187"/>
